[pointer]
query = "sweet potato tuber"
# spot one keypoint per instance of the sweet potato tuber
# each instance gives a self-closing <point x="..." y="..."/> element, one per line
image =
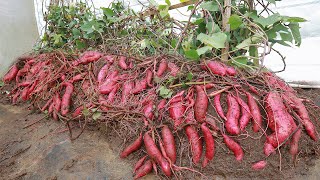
<point x="169" y="143"/>
<point x="145" y="169"/>
<point x="132" y="147"/>
<point x="162" y="67"/>
<point x="12" y="73"/>
<point x="208" y="138"/>
<point x="201" y="105"/>
<point x="234" y="147"/>
<point x="255" y="112"/>
<point x="66" y="98"/>
<point x="195" y="142"/>
<point x="233" y="114"/>
<point x="218" y="107"/>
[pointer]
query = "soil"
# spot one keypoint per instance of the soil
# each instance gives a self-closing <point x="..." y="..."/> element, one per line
<point x="34" y="147"/>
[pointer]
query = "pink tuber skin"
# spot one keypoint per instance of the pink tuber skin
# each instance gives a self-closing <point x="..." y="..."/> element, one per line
<point x="160" y="108"/>
<point x="145" y="169"/>
<point x="139" y="163"/>
<point x="195" y="142"/>
<point x="231" y="71"/>
<point x="126" y="91"/>
<point x="279" y="119"/>
<point x="302" y="112"/>
<point x="233" y="114"/>
<point x="109" y="58"/>
<point x="216" y="68"/>
<point x="57" y="105"/>
<point x="122" y="62"/>
<point x="246" y="114"/>
<point x="109" y="83"/>
<point x="234" y="147"/>
<point x="149" y="77"/>
<point x="155" y="154"/>
<point x="162" y="67"/>
<point x="201" y="104"/>
<point x="255" y="112"/>
<point x="140" y="85"/>
<point x="169" y="143"/>
<point x="294" y="143"/>
<point x="177" y="108"/>
<point x="12" y="73"/>
<point x="268" y="149"/>
<point x="148" y="111"/>
<point x="174" y="69"/>
<point x="103" y="73"/>
<point x="66" y="98"/>
<point x="259" y="165"/>
<point x="208" y="138"/>
<point x="132" y="147"/>
<point x="88" y="57"/>
<point x="218" y="107"/>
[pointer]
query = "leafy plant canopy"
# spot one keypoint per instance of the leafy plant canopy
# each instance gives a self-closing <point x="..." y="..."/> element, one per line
<point x="233" y="30"/>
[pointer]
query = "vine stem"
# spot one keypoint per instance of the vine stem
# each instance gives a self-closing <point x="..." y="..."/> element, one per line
<point x="226" y="28"/>
<point x="186" y="27"/>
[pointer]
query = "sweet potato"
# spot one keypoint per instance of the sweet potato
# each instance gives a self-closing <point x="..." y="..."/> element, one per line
<point x="233" y="114"/>
<point x="66" y="98"/>
<point x="56" y="106"/>
<point x="169" y="143"/>
<point x="255" y="112"/>
<point x="160" y="108"/>
<point x="162" y="67"/>
<point x="109" y="58"/>
<point x="218" y="107"/>
<point x="47" y="104"/>
<point x="216" y="68"/>
<point x="87" y="57"/>
<point x="149" y="77"/>
<point x="259" y="165"/>
<point x="139" y="86"/>
<point x="155" y="154"/>
<point x="12" y="73"/>
<point x="148" y="111"/>
<point x="174" y="69"/>
<point x="139" y="163"/>
<point x="234" y="147"/>
<point x="268" y="149"/>
<point x="15" y="97"/>
<point x="103" y="73"/>
<point x="107" y="86"/>
<point x="231" y="71"/>
<point x="127" y="87"/>
<point x="195" y="142"/>
<point x="132" y="147"/>
<point x="122" y="62"/>
<point x="245" y="114"/>
<point x="279" y="119"/>
<point x="208" y="138"/>
<point x="177" y="108"/>
<point x="302" y="112"/>
<point x="201" y="105"/>
<point x="294" y="143"/>
<point x="24" y="94"/>
<point x="145" y="169"/>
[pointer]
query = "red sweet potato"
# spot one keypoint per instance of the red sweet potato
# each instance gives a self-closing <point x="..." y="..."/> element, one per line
<point x="122" y="62"/>
<point x="126" y="91"/>
<point x="87" y="57"/>
<point x="139" y="86"/>
<point x="12" y="73"/>
<point x="162" y="67"/>
<point x="233" y="114"/>
<point x="103" y="73"/>
<point x="145" y="169"/>
<point x="216" y="68"/>
<point x="234" y="147"/>
<point x="66" y="98"/>
<point x="195" y="142"/>
<point x="169" y="143"/>
<point x="245" y="114"/>
<point x="218" y="107"/>
<point x="107" y="86"/>
<point x="231" y="71"/>
<point x="201" y="105"/>
<point x="139" y="163"/>
<point x="177" y="108"/>
<point x="109" y="58"/>
<point x="268" y="149"/>
<point x="255" y="112"/>
<point x="155" y="154"/>
<point x="302" y="112"/>
<point x="132" y="147"/>
<point x="294" y="143"/>
<point x="24" y="94"/>
<point x="148" y="111"/>
<point x="47" y="104"/>
<point x="208" y="138"/>
<point x="149" y="77"/>
<point x="259" y="165"/>
<point x="174" y="69"/>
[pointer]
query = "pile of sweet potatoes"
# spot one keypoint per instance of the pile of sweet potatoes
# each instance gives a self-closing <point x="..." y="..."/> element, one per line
<point x="218" y="104"/>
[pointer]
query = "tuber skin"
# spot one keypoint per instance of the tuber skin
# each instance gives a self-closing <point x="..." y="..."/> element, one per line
<point x="88" y="57"/>
<point x="177" y="109"/>
<point x="66" y="98"/>
<point x="255" y="112"/>
<point x="245" y="114"/>
<point x="218" y="107"/>
<point x="162" y="67"/>
<point x="195" y="142"/>
<point x="234" y="147"/>
<point x="201" y="105"/>
<point x="122" y="62"/>
<point x="145" y="169"/>
<point x="259" y="165"/>
<point x="209" y="140"/>
<point x="233" y="114"/>
<point x="216" y="68"/>
<point x="11" y="75"/>
<point x="132" y="147"/>
<point x="169" y="143"/>
<point x="139" y="163"/>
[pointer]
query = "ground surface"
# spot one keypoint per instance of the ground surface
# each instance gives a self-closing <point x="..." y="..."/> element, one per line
<point x="44" y="151"/>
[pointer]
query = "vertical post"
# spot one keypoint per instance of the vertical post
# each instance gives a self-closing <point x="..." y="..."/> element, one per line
<point x="226" y="27"/>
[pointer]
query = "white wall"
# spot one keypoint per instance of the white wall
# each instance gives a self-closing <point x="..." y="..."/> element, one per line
<point x="18" y="30"/>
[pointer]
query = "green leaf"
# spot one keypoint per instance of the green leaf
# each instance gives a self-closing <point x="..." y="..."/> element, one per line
<point x="198" y="21"/>
<point x="57" y="39"/>
<point x="203" y="50"/>
<point x="108" y="12"/>
<point x="272" y="1"/>
<point x="269" y="20"/>
<point x="293" y="19"/>
<point x="184" y="1"/>
<point x="1" y="83"/>
<point x="165" y="12"/>
<point x="168" y="2"/>
<point x="85" y="111"/>
<point x="164" y="92"/>
<point x="76" y="33"/>
<point x="191" y="54"/>
<point x="210" y="6"/>
<point x="96" y="115"/>
<point x="249" y="41"/>
<point x="80" y="44"/>
<point x="216" y="40"/>
<point x="253" y="52"/>
<point x="235" y="21"/>
<point x="286" y="37"/>
<point x="241" y="61"/>
<point x="216" y="27"/>
<point x="88" y="27"/>
<point x="190" y="7"/>
<point x="295" y="30"/>
<point x="189" y="76"/>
